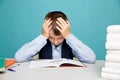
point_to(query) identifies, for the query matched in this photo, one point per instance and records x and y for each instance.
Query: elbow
(20, 58)
(91, 60)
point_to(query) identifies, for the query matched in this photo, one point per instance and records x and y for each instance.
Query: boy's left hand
(63, 27)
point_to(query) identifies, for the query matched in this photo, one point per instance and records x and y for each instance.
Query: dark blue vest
(46, 51)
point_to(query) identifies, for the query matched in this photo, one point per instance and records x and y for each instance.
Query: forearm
(80, 50)
(27, 51)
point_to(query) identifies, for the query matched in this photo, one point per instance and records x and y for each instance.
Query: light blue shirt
(81, 51)
(56, 51)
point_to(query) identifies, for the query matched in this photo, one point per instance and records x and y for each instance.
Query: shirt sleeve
(27, 51)
(81, 51)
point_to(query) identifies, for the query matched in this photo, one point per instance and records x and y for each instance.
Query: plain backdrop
(21, 21)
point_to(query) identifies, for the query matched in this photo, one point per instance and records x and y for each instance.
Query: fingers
(59, 28)
(47, 23)
(61, 20)
(63, 27)
(59, 24)
(49, 27)
(46, 28)
(67, 22)
(62, 23)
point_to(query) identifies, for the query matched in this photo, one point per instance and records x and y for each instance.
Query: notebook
(5, 63)
(2, 64)
(9, 62)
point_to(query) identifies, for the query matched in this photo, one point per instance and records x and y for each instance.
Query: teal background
(21, 21)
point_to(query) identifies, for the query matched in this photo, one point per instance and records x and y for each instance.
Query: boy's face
(56, 40)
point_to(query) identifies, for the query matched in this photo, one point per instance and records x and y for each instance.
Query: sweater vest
(46, 51)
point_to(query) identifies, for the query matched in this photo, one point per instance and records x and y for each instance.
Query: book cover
(9, 62)
(2, 64)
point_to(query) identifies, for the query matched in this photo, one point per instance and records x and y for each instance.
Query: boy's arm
(27, 51)
(80, 50)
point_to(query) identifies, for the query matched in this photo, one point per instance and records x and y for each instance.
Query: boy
(55, 42)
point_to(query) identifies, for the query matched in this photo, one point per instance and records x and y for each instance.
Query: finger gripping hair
(53, 16)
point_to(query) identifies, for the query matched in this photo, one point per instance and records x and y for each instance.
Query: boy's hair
(53, 16)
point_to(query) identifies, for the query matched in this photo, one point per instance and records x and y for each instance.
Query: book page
(69, 62)
(54, 63)
(43, 63)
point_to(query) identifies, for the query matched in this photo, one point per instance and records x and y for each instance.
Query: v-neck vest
(46, 51)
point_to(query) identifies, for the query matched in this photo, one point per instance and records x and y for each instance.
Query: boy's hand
(63, 27)
(46, 28)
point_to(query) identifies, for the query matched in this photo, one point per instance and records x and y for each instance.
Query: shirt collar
(58, 47)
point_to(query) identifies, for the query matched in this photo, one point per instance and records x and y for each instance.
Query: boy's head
(55, 36)
(53, 16)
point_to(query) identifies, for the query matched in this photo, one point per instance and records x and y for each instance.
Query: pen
(11, 70)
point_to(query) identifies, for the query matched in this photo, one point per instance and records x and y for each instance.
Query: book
(56, 63)
(111, 70)
(2, 64)
(110, 76)
(5, 63)
(112, 65)
(113, 37)
(9, 62)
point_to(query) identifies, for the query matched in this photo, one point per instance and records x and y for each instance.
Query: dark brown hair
(53, 16)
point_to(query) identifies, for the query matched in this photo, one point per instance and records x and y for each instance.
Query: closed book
(9, 62)
(113, 37)
(113, 51)
(110, 76)
(113, 57)
(111, 70)
(112, 45)
(114, 29)
(113, 65)
(2, 64)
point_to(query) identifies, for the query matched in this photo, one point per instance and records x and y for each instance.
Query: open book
(55, 63)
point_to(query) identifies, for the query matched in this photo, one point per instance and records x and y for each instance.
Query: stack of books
(111, 70)
(6, 63)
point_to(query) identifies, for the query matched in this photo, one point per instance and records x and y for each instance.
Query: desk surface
(23, 72)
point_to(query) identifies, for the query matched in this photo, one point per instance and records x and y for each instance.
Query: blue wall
(21, 21)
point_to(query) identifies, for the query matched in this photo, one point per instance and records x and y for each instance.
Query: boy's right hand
(46, 28)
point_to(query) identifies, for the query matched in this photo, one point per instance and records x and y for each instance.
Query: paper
(54, 63)
(113, 37)
(110, 76)
(114, 65)
(112, 45)
(113, 51)
(110, 70)
(113, 29)
(41, 63)
(113, 57)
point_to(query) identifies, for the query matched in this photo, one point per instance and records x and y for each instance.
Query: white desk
(23, 72)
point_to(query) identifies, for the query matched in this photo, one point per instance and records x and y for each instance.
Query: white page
(43, 63)
(53, 63)
(69, 61)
